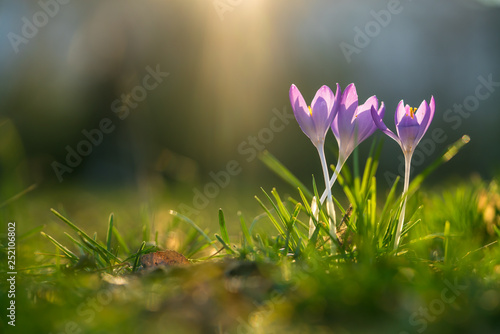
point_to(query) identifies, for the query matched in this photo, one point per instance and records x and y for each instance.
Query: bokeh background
(230, 64)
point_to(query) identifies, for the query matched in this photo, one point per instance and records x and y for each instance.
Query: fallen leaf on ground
(163, 258)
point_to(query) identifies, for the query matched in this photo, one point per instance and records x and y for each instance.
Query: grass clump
(280, 273)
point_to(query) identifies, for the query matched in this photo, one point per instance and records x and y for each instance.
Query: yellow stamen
(412, 112)
(310, 111)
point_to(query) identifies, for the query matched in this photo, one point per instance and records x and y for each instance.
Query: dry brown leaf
(163, 258)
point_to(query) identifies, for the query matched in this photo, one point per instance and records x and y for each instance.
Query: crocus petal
(320, 117)
(381, 111)
(338, 96)
(301, 112)
(295, 95)
(364, 120)
(347, 109)
(401, 116)
(334, 124)
(421, 111)
(335, 127)
(408, 131)
(326, 94)
(432, 108)
(401, 110)
(422, 115)
(377, 118)
(427, 117)
(322, 110)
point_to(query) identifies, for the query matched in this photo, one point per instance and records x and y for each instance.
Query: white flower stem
(399, 228)
(328, 190)
(336, 172)
(329, 204)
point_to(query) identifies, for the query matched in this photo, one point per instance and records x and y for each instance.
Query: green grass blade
(69, 254)
(284, 212)
(58, 263)
(282, 218)
(138, 256)
(286, 243)
(446, 241)
(366, 175)
(120, 240)
(315, 190)
(298, 236)
(95, 249)
(18, 195)
(110, 232)
(314, 237)
(193, 224)
(450, 152)
(276, 224)
(480, 248)
(300, 223)
(373, 199)
(308, 212)
(144, 251)
(430, 237)
(305, 201)
(256, 220)
(228, 248)
(497, 230)
(345, 173)
(86, 236)
(357, 183)
(347, 191)
(291, 231)
(223, 228)
(336, 202)
(381, 226)
(261, 243)
(82, 247)
(276, 166)
(31, 232)
(198, 247)
(412, 223)
(246, 233)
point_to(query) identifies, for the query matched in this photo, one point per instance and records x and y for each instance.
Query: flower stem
(399, 228)
(329, 204)
(338, 168)
(315, 205)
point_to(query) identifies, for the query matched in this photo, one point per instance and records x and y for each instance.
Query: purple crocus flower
(411, 125)
(352, 125)
(315, 120)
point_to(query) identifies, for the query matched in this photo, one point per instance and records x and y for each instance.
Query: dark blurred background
(230, 63)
